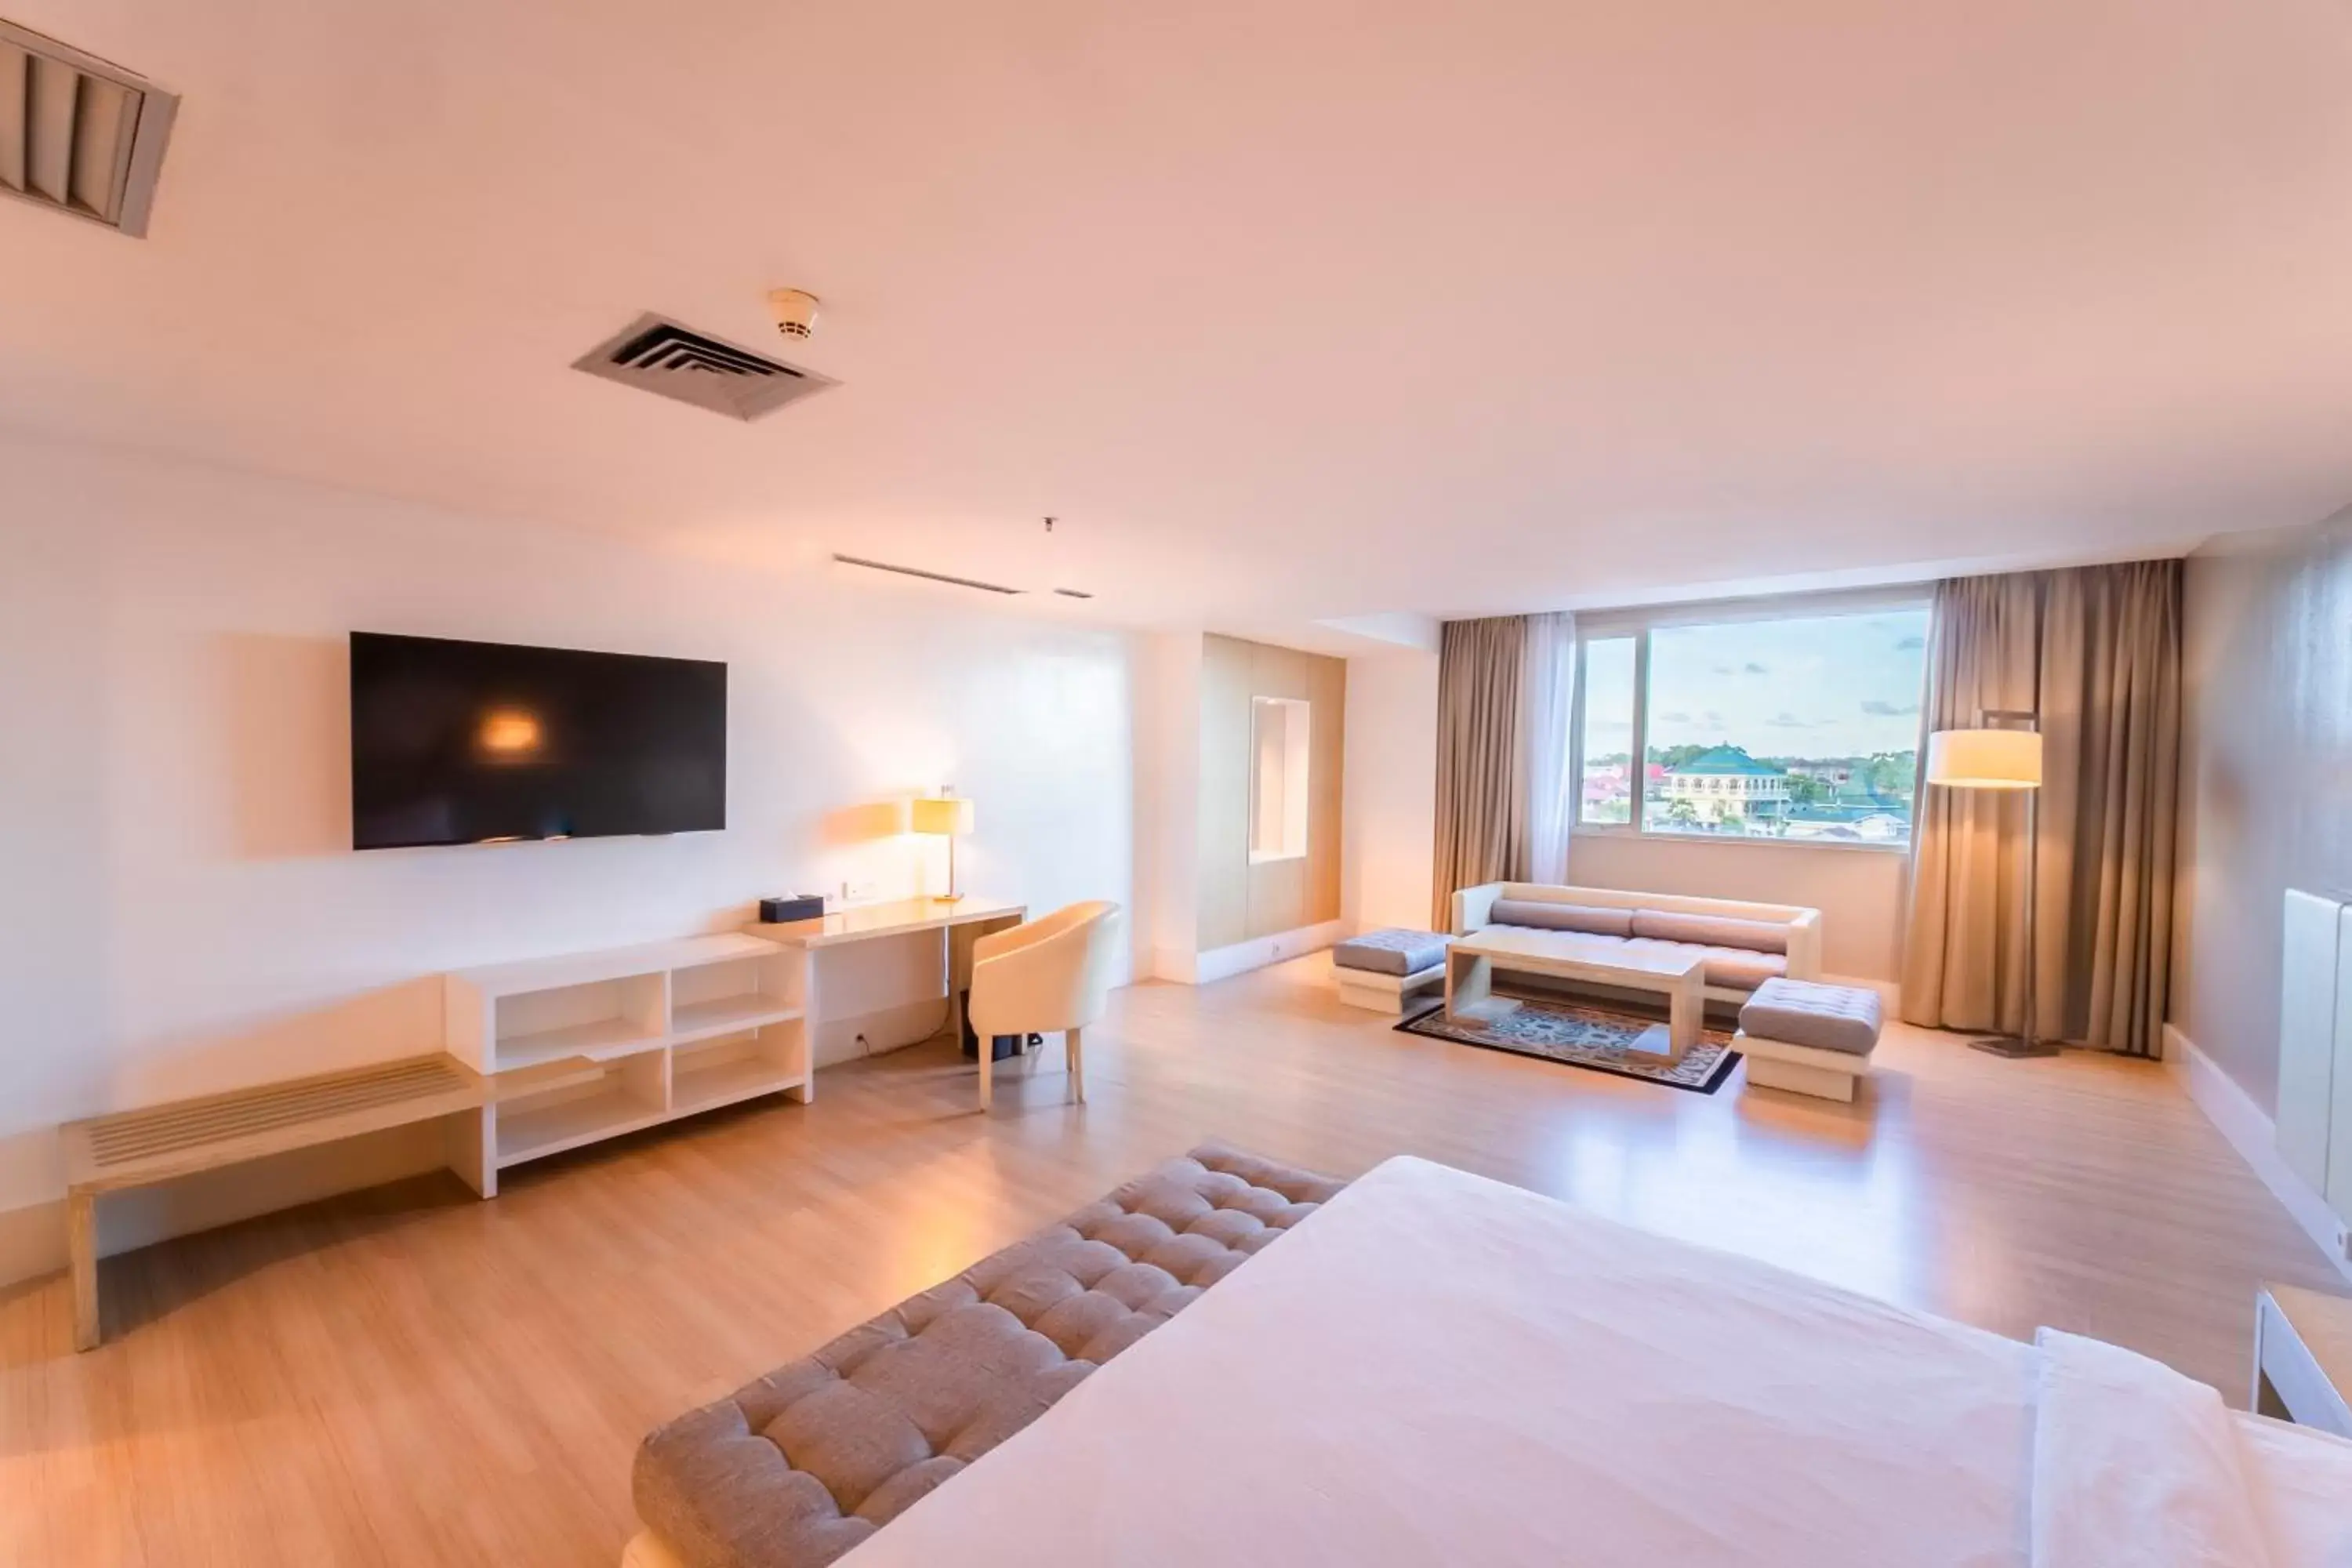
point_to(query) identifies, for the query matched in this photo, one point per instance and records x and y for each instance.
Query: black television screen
(463, 743)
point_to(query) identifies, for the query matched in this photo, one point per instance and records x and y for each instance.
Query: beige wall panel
(1328, 690)
(1277, 896)
(1240, 901)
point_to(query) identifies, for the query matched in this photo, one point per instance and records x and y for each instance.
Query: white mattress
(1439, 1369)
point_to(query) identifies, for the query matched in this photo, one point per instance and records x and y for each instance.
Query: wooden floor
(409, 1377)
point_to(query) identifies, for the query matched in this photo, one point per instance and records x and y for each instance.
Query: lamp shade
(949, 814)
(1985, 758)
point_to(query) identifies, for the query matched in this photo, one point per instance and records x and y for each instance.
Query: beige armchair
(1050, 975)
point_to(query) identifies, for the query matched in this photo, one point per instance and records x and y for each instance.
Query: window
(1796, 726)
(1608, 742)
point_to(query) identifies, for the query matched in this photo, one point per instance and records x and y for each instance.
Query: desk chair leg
(987, 1076)
(1073, 1053)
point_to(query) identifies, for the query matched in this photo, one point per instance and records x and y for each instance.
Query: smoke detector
(794, 311)
(78, 135)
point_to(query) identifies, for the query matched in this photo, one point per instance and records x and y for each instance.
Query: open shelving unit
(652, 1033)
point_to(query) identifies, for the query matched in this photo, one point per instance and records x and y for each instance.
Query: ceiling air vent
(660, 356)
(78, 135)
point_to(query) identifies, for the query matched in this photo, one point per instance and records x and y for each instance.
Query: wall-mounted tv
(470, 743)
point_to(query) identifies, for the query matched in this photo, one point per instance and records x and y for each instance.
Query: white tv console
(652, 1033)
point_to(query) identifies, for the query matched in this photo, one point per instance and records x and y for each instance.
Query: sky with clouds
(1827, 685)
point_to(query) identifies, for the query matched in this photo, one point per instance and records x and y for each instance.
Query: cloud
(1756, 669)
(1889, 710)
(1675, 718)
(1722, 670)
(1911, 644)
(1786, 721)
(1713, 717)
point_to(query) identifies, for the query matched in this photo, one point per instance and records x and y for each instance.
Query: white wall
(180, 911)
(1390, 819)
(1168, 795)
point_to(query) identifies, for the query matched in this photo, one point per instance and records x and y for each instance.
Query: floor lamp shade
(2000, 760)
(1985, 758)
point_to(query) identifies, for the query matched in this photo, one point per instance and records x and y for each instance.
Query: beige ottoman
(1805, 1037)
(1384, 971)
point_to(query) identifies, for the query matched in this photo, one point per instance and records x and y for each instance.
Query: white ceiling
(1290, 312)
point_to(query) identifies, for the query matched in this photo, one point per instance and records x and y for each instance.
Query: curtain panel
(1504, 795)
(2096, 653)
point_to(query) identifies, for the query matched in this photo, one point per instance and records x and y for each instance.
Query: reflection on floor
(407, 1377)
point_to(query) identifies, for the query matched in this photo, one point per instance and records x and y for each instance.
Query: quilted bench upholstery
(795, 1469)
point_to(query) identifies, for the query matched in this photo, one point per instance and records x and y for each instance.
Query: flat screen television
(470, 743)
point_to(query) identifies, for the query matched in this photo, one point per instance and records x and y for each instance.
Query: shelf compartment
(601, 1040)
(727, 1016)
(721, 1075)
(584, 1109)
(600, 1018)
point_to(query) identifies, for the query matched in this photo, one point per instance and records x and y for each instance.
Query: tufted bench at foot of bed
(792, 1470)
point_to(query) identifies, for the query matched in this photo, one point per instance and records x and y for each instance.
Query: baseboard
(1222, 962)
(2251, 1131)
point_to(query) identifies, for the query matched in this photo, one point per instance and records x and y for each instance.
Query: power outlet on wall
(858, 892)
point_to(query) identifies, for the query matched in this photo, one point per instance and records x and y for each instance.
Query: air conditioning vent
(78, 135)
(662, 357)
(926, 576)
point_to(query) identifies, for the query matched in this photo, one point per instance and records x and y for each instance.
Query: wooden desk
(959, 923)
(2302, 1357)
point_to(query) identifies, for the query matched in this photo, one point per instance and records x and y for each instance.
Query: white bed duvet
(1439, 1369)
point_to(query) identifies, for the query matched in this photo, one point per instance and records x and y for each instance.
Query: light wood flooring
(409, 1377)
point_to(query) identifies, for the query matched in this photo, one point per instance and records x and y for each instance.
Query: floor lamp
(1992, 759)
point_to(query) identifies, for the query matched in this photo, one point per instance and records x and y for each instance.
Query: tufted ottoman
(796, 1469)
(1807, 1038)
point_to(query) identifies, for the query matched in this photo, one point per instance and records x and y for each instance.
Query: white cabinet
(2314, 1090)
(653, 1033)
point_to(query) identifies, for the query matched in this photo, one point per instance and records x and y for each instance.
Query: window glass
(1609, 785)
(1804, 728)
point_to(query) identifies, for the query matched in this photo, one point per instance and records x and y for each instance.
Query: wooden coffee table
(1471, 962)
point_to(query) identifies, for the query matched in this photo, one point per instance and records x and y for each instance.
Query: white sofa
(1738, 938)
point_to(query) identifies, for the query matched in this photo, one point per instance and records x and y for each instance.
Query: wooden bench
(159, 1142)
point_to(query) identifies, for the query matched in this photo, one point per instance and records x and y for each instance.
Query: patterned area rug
(1587, 1037)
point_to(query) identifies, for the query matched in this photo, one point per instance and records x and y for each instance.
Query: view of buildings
(1724, 790)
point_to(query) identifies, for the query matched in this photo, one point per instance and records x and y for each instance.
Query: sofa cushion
(1392, 952)
(794, 1470)
(1731, 968)
(1808, 1013)
(1739, 969)
(1543, 915)
(1712, 931)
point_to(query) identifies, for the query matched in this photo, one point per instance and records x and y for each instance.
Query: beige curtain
(1502, 689)
(2096, 653)
(1482, 812)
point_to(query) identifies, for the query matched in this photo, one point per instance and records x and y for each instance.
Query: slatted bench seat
(159, 1142)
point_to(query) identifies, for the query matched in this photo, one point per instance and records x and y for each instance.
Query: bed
(1435, 1368)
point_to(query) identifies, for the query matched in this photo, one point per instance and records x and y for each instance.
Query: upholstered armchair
(1052, 975)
